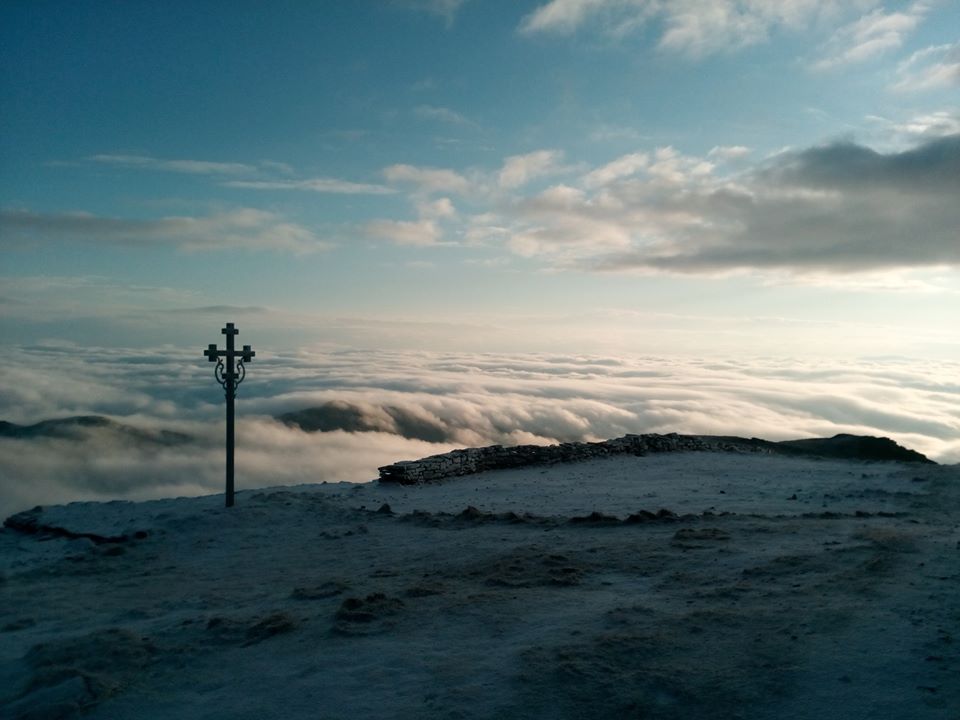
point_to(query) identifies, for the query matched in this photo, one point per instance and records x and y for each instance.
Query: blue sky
(624, 176)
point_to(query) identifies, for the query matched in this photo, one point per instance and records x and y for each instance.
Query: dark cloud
(843, 208)
(930, 168)
(357, 417)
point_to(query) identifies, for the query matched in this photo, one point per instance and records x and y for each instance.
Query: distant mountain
(80, 427)
(341, 415)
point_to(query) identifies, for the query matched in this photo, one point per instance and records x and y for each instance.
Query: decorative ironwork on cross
(229, 375)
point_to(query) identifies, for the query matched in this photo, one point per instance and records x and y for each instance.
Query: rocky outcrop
(498, 457)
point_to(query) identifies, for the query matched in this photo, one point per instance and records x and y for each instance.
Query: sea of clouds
(377, 408)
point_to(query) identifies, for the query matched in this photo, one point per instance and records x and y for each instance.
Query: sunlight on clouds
(428, 180)
(929, 69)
(871, 35)
(405, 232)
(562, 16)
(840, 208)
(383, 407)
(518, 170)
(623, 166)
(698, 28)
(729, 152)
(319, 185)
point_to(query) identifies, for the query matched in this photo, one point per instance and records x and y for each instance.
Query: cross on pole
(229, 376)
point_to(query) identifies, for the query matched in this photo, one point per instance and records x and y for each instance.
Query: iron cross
(229, 376)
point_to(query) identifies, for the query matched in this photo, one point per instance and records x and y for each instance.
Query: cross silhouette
(229, 376)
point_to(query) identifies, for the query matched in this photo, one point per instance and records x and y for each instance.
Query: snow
(778, 588)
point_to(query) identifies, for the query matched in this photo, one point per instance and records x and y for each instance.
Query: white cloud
(672, 167)
(841, 209)
(870, 36)
(622, 167)
(405, 232)
(929, 69)
(439, 208)
(193, 167)
(429, 180)
(695, 28)
(426, 230)
(442, 114)
(245, 228)
(729, 152)
(561, 16)
(319, 185)
(932, 125)
(518, 170)
(388, 406)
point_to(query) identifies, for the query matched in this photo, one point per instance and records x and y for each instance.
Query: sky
(611, 167)
(699, 180)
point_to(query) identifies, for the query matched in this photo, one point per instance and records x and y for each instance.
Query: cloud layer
(241, 228)
(394, 406)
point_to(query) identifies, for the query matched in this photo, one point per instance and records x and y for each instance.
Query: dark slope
(81, 427)
(842, 446)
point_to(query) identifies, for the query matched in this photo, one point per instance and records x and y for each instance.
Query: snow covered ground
(773, 588)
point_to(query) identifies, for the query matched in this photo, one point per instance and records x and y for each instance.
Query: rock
(497, 457)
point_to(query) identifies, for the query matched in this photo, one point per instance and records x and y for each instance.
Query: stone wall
(498, 457)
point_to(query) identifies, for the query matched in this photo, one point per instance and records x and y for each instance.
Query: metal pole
(229, 444)
(231, 391)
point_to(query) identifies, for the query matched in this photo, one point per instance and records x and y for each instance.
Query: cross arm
(211, 353)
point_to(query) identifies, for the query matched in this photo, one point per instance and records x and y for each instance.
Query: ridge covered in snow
(675, 585)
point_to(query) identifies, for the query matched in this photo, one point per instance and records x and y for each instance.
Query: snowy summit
(676, 585)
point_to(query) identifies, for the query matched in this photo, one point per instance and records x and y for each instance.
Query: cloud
(202, 167)
(193, 167)
(427, 179)
(378, 408)
(442, 114)
(728, 152)
(405, 232)
(518, 170)
(243, 228)
(319, 185)
(447, 9)
(622, 167)
(872, 35)
(437, 209)
(838, 208)
(426, 230)
(695, 28)
(932, 125)
(220, 310)
(561, 16)
(929, 69)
